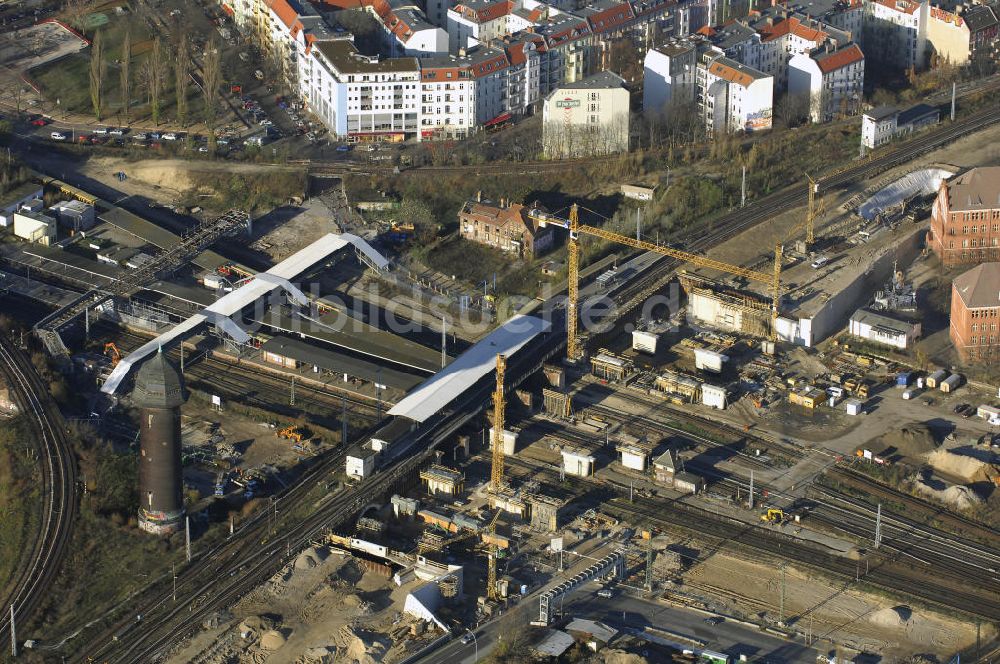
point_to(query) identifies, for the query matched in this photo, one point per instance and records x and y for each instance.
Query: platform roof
(478, 361)
(332, 360)
(232, 303)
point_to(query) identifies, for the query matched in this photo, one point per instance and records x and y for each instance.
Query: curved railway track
(58, 489)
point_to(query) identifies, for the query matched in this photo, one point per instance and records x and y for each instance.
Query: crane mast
(496, 475)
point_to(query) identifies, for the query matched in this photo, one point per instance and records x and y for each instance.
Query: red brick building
(965, 222)
(505, 226)
(975, 313)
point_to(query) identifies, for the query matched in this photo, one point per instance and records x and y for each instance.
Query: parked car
(170, 136)
(154, 135)
(714, 620)
(203, 149)
(605, 593)
(467, 639)
(58, 136)
(117, 131)
(101, 131)
(820, 262)
(141, 136)
(343, 148)
(40, 122)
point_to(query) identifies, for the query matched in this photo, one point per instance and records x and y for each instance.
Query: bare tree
(97, 70)
(75, 12)
(154, 78)
(126, 74)
(180, 85)
(212, 79)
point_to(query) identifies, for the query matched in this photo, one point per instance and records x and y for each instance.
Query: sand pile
(896, 616)
(958, 465)
(913, 440)
(357, 648)
(622, 657)
(272, 640)
(305, 561)
(317, 655)
(955, 496)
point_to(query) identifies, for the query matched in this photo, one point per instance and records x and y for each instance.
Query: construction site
(747, 455)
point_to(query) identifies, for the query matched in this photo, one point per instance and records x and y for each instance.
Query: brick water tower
(159, 394)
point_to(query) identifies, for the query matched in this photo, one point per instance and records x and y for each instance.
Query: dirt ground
(157, 179)
(855, 619)
(323, 607)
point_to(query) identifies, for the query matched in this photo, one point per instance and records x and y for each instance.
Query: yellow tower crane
(491, 563)
(573, 246)
(496, 476)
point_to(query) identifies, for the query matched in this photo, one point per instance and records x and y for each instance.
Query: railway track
(933, 587)
(875, 492)
(59, 489)
(904, 570)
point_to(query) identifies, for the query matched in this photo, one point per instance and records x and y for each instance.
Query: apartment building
(832, 78)
(895, 32)
(975, 313)
(406, 30)
(957, 37)
(505, 226)
(585, 118)
(669, 76)
(731, 96)
(482, 21)
(362, 97)
(965, 220)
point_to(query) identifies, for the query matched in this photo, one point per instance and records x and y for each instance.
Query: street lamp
(475, 642)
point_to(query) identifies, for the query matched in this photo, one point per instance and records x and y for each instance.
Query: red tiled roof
(845, 56)
(905, 6)
(706, 30)
(611, 18)
(794, 26)
(487, 67)
(732, 75)
(515, 54)
(285, 12)
(440, 74)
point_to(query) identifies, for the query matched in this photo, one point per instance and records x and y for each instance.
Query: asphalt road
(627, 613)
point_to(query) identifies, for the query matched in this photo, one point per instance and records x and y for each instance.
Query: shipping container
(935, 378)
(988, 412)
(909, 393)
(904, 378)
(951, 383)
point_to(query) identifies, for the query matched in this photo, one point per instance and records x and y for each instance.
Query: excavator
(112, 351)
(294, 433)
(773, 515)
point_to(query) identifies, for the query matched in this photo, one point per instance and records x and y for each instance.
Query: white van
(820, 262)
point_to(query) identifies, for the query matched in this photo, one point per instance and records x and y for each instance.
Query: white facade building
(669, 76)
(35, 227)
(878, 126)
(359, 96)
(832, 79)
(589, 117)
(895, 32)
(733, 97)
(882, 329)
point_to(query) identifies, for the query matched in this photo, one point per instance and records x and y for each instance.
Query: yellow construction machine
(773, 515)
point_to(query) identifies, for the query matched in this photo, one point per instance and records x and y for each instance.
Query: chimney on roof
(461, 52)
(479, 196)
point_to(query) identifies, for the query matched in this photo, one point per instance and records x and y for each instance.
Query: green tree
(97, 69)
